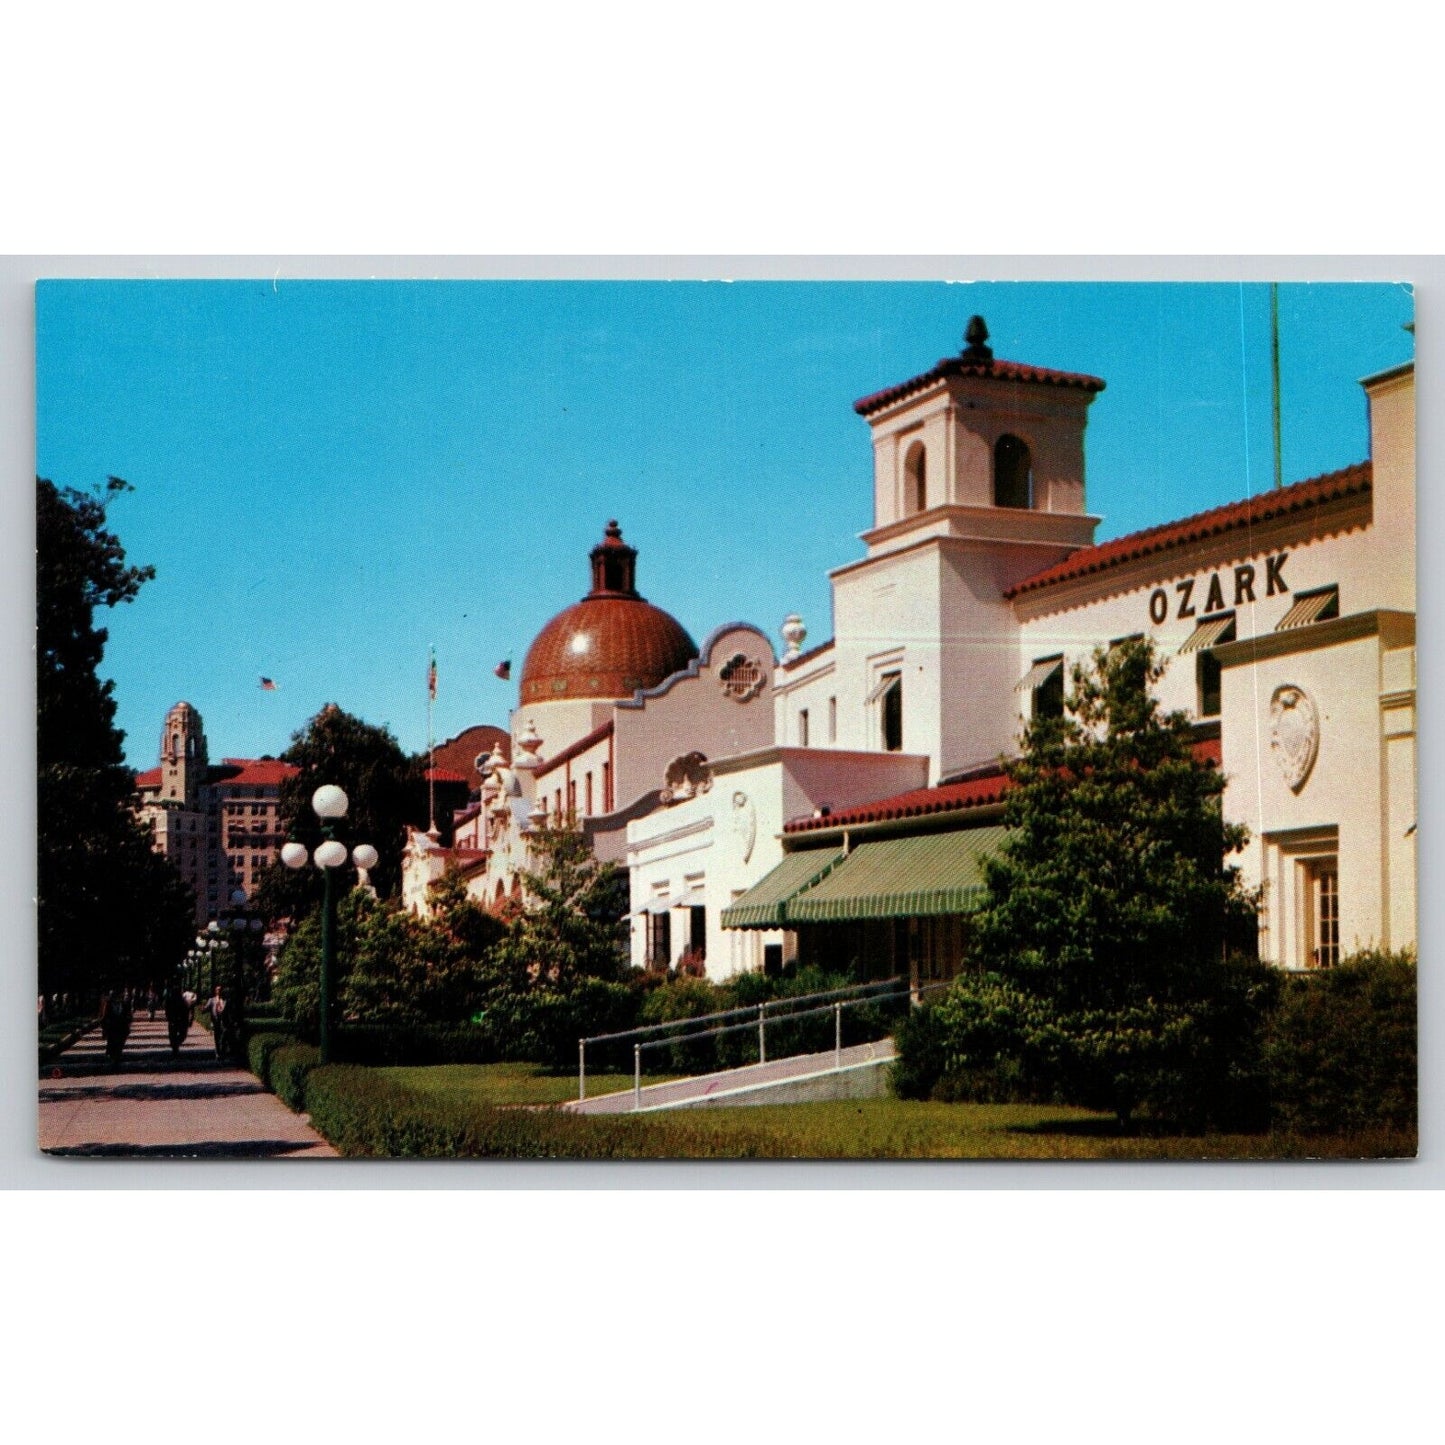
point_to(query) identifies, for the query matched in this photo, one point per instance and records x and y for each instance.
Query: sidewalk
(185, 1107)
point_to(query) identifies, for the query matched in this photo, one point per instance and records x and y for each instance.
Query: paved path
(681, 1092)
(189, 1106)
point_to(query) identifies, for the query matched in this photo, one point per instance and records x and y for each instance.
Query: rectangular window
(606, 787)
(1211, 632)
(572, 795)
(890, 706)
(1208, 677)
(659, 940)
(589, 795)
(1323, 904)
(1044, 683)
(697, 930)
(557, 805)
(803, 727)
(832, 719)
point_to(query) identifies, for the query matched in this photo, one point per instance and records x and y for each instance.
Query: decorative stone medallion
(1294, 733)
(742, 677)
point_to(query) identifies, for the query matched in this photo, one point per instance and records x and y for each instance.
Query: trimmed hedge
(1333, 1052)
(261, 1046)
(286, 1071)
(1342, 1047)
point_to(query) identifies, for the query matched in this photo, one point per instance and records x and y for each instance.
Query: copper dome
(610, 643)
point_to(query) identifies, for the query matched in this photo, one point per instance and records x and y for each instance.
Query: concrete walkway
(751, 1084)
(189, 1106)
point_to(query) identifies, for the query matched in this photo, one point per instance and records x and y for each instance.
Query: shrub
(286, 1072)
(1342, 1046)
(988, 1041)
(261, 1045)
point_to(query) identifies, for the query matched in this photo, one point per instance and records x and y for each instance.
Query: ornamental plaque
(744, 824)
(742, 677)
(1294, 733)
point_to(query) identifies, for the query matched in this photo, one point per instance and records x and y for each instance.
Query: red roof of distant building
(1314, 492)
(446, 775)
(968, 366)
(253, 772)
(976, 792)
(151, 778)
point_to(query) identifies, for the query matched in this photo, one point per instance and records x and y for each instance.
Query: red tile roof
(961, 366)
(151, 778)
(252, 772)
(1315, 492)
(446, 775)
(916, 803)
(976, 792)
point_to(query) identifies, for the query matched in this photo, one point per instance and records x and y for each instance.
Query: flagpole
(1274, 367)
(431, 781)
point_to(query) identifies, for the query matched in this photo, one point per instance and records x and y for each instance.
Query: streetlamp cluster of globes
(330, 804)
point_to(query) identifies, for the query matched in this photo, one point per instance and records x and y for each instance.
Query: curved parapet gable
(705, 659)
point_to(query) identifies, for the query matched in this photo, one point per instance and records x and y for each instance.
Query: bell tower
(183, 757)
(978, 482)
(980, 434)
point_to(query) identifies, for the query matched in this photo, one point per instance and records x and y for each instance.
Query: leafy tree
(572, 927)
(111, 910)
(385, 789)
(1108, 950)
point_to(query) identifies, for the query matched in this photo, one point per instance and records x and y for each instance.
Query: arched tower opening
(1013, 473)
(915, 480)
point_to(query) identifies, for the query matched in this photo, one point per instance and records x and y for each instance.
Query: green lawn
(850, 1129)
(500, 1084)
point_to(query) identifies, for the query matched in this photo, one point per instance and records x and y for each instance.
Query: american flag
(267, 685)
(431, 679)
(504, 670)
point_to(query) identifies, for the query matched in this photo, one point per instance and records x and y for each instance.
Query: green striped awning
(1210, 632)
(1311, 607)
(762, 906)
(903, 878)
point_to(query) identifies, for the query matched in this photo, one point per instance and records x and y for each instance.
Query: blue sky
(333, 476)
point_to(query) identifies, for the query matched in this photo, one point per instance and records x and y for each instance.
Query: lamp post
(329, 804)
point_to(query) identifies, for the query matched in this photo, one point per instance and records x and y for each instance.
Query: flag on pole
(267, 685)
(431, 678)
(504, 670)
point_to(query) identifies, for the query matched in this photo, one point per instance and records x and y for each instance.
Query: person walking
(178, 1017)
(216, 1007)
(115, 1018)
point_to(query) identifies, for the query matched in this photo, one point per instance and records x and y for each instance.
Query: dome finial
(976, 347)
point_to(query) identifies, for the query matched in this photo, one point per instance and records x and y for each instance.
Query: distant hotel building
(218, 823)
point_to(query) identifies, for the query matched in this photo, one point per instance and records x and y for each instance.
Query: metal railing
(750, 1016)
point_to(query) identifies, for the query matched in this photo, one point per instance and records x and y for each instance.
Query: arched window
(915, 480)
(1013, 474)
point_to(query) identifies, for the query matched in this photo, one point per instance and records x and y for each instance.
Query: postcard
(688, 720)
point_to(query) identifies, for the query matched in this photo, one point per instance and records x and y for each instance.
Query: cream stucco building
(1286, 620)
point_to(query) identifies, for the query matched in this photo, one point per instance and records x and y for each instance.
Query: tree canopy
(1109, 949)
(385, 790)
(571, 928)
(111, 909)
